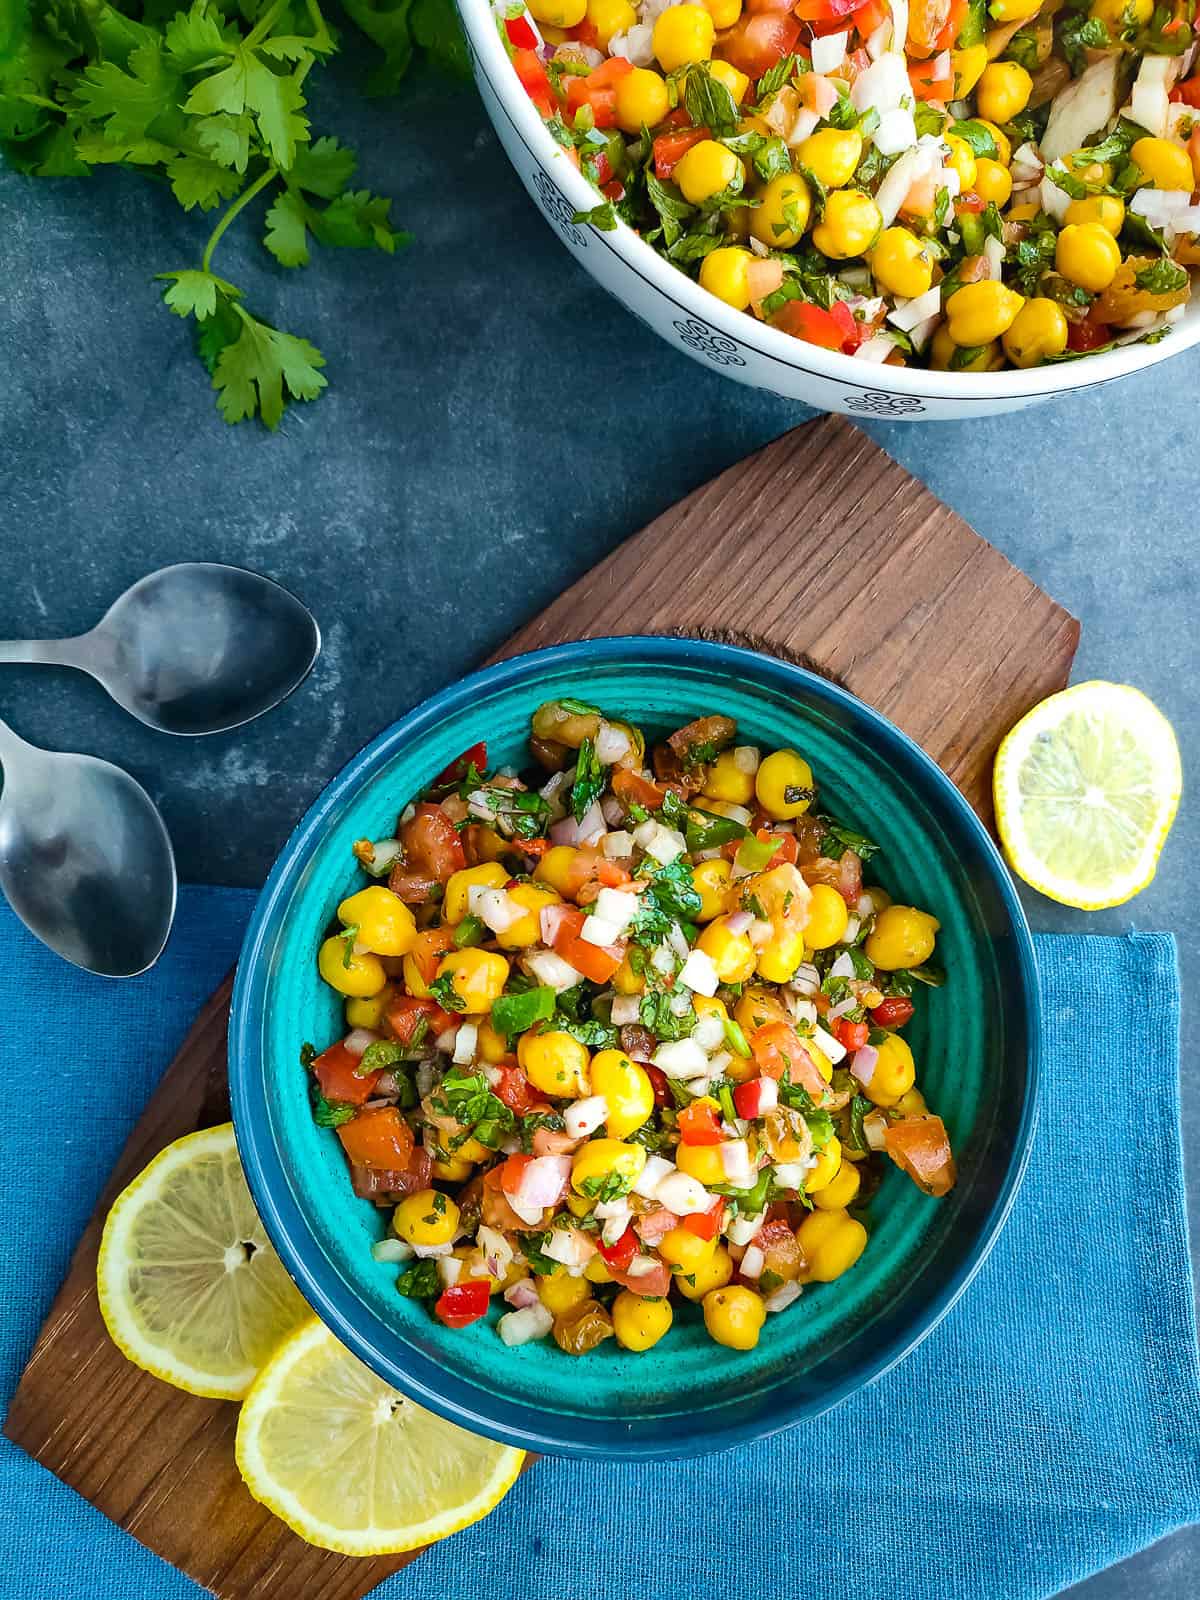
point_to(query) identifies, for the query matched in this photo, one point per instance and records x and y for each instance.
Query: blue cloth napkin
(1049, 1427)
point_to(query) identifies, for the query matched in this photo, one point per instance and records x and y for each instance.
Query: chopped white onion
(644, 832)
(1149, 101)
(907, 315)
(614, 1215)
(874, 1129)
(780, 1299)
(522, 1293)
(464, 1044)
(1084, 107)
(665, 844)
(663, 960)
(993, 254)
(740, 1171)
(747, 758)
(449, 1270)
(428, 1252)
(742, 1229)
(897, 131)
(599, 931)
(656, 1169)
(569, 1246)
(681, 1058)
(550, 789)
(626, 1008)
(803, 1010)
(884, 84)
(642, 1266)
(739, 921)
(357, 1040)
(552, 971)
(584, 1116)
(519, 1327)
(384, 853)
(614, 813)
(566, 831)
(791, 1174)
(826, 1042)
(617, 906)
(805, 123)
(682, 1194)
(843, 1007)
(445, 1039)
(497, 1251)
(392, 1250)
(618, 843)
(611, 744)
(592, 825)
(495, 908)
(752, 1263)
(904, 172)
(709, 1031)
(806, 979)
(843, 967)
(699, 974)
(829, 51)
(637, 45)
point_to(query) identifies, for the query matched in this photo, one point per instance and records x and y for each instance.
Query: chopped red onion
(862, 1063)
(521, 1294)
(875, 1130)
(530, 1322)
(752, 1262)
(780, 1299)
(565, 832)
(843, 1007)
(739, 921)
(357, 1040)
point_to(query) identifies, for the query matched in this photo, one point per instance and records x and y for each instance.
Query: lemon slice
(351, 1464)
(1086, 788)
(189, 1285)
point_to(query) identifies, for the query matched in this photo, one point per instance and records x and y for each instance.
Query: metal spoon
(194, 648)
(85, 859)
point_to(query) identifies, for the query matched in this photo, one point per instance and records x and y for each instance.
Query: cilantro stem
(264, 25)
(239, 204)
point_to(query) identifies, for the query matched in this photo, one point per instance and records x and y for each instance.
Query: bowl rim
(323, 1287)
(771, 344)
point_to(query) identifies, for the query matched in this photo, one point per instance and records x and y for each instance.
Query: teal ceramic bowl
(975, 1042)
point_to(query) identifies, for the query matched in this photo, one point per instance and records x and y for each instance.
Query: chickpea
(784, 785)
(734, 1317)
(351, 973)
(554, 1062)
(895, 1072)
(639, 1322)
(559, 1292)
(902, 937)
(713, 1273)
(627, 1089)
(828, 918)
(427, 1217)
(832, 1242)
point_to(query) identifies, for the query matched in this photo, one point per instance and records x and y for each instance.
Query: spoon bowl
(194, 648)
(85, 859)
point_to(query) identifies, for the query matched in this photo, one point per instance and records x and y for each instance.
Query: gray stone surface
(494, 425)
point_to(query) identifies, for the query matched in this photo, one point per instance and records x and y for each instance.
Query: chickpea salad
(965, 185)
(624, 1032)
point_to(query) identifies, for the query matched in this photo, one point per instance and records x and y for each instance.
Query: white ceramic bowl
(690, 318)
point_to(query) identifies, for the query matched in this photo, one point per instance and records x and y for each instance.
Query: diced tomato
(948, 37)
(786, 848)
(533, 79)
(652, 1227)
(599, 90)
(619, 1255)
(660, 1083)
(475, 757)
(428, 949)
(868, 17)
(586, 33)
(515, 1090)
(1087, 335)
(337, 1075)
(706, 1224)
(381, 1186)
(614, 191)
(534, 847)
(777, 1049)
(920, 1146)
(669, 151)
(432, 851)
(594, 961)
(927, 86)
(856, 62)
(824, 10)
(834, 329)
(495, 1209)
(755, 43)
(589, 872)
(970, 202)
(892, 1012)
(378, 1138)
(755, 1098)
(463, 1303)
(404, 1013)
(1188, 91)
(520, 34)
(652, 1285)
(851, 1034)
(700, 1123)
(628, 785)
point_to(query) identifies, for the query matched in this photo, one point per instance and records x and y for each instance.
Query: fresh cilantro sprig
(211, 100)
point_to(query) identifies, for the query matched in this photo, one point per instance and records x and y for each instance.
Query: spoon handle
(34, 652)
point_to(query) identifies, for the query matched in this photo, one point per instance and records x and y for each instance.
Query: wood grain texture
(820, 549)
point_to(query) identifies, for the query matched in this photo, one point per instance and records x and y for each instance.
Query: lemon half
(189, 1285)
(351, 1464)
(1086, 788)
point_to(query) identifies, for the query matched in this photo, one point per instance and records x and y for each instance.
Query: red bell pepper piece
(533, 79)
(463, 1303)
(756, 1098)
(475, 757)
(520, 33)
(706, 1224)
(1188, 91)
(404, 1013)
(851, 1034)
(669, 151)
(619, 1255)
(599, 90)
(925, 85)
(594, 961)
(700, 1123)
(515, 1090)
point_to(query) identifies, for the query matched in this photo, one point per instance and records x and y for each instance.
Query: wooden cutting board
(820, 549)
